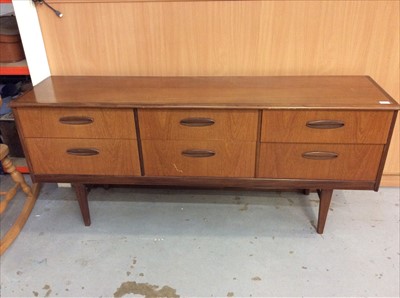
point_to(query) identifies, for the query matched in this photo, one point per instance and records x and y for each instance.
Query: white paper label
(384, 102)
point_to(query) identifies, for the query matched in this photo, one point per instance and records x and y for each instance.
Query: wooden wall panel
(212, 38)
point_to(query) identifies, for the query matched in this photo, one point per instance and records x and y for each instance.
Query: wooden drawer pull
(319, 155)
(76, 120)
(83, 151)
(325, 124)
(197, 122)
(198, 153)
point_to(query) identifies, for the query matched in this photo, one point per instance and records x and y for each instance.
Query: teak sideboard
(314, 132)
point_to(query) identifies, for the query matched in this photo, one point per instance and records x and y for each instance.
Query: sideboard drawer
(368, 127)
(181, 124)
(319, 161)
(85, 123)
(199, 158)
(83, 156)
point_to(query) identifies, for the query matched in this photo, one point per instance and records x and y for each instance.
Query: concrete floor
(204, 243)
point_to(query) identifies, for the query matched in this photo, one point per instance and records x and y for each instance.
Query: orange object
(23, 169)
(14, 70)
(10, 42)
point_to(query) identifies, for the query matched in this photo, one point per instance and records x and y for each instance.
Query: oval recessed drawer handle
(198, 153)
(197, 122)
(325, 124)
(319, 155)
(83, 151)
(76, 120)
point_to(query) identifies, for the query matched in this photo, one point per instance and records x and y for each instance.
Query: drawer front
(319, 161)
(180, 124)
(199, 158)
(368, 127)
(83, 157)
(85, 123)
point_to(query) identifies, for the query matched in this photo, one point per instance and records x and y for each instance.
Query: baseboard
(390, 180)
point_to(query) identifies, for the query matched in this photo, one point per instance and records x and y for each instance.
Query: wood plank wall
(212, 38)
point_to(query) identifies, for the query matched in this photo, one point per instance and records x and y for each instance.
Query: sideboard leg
(81, 195)
(325, 196)
(306, 191)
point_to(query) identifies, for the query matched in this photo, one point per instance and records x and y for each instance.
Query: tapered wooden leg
(325, 196)
(81, 195)
(306, 192)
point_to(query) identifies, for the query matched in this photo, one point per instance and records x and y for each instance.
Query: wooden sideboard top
(294, 92)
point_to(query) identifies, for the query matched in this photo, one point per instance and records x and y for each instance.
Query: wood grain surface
(222, 38)
(231, 159)
(164, 124)
(390, 181)
(107, 124)
(368, 127)
(285, 161)
(225, 38)
(300, 92)
(116, 157)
